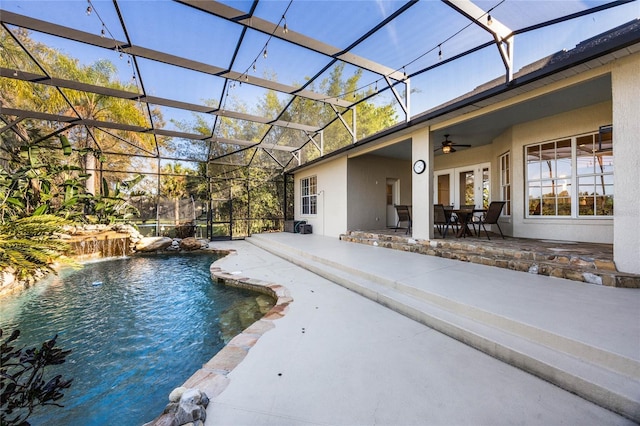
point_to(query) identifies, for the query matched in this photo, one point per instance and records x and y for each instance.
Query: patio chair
(491, 217)
(441, 219)
(403, 216)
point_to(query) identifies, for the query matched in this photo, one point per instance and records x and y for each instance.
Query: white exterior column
(626, 151)
(422, 186)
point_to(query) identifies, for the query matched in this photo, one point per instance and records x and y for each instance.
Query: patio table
(465, 217)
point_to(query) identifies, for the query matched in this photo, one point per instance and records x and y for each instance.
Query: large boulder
(148, 244)
(186, 407)
(189, 244)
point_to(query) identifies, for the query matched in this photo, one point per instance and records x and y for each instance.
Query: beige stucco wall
(625, 78)
(366, 178)
(422, 149)
(331, 217)
(569, 124)
(584, 120)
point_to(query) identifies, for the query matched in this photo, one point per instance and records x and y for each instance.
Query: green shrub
(23, 385)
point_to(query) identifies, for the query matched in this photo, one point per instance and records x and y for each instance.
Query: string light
(264, 54)
(104, 31)
(438, 46)
(285, 29)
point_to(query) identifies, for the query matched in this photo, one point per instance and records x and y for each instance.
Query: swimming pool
(138, 327)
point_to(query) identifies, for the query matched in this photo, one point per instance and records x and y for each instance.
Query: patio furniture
(442, 219)
(403, 216)
(464, 218)
(491, 217)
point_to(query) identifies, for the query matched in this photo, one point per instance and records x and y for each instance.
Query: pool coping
(212, 378)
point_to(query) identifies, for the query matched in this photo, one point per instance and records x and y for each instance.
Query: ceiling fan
(448, 146)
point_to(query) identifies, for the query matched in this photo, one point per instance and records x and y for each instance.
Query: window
(505, 182)
(594, 167)
(571, 177)
(308, 189)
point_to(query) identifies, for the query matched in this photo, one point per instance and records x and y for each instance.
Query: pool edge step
(611, 389)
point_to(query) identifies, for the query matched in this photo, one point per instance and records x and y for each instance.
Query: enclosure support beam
(11, 125)
(404, 103)
(319, 146)
(500, 32)
(346, 125)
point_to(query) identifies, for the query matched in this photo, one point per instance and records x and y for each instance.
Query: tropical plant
(178, 182)
(35, 179)
(113, 205)
(30, 244)
(23, 385)
(89, 144)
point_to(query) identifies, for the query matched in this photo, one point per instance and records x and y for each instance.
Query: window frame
(505, 181)
(309, 196)
(571, 181)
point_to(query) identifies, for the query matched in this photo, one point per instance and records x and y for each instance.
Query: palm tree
(177, 182)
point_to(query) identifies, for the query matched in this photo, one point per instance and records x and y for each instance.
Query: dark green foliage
(113, 205)
(23, 385)
(37, 178)
(29, 244)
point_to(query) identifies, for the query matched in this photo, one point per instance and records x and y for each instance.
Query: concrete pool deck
(338, 358)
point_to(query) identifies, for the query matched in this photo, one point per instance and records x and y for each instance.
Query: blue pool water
(138, 328)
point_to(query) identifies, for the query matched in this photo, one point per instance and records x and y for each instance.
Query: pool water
(138, 328)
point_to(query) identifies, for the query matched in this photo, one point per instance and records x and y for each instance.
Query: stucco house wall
(580, 121)
(366, 180)
(331, 216)
(514, 140)
(626, 141)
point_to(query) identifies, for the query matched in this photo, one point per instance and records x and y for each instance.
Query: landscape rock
(149, 244)
(188, 406)
(190, 244)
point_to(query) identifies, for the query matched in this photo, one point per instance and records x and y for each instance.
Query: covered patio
(578, 261)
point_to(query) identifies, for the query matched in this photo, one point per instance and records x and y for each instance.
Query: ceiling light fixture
(446, 149)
